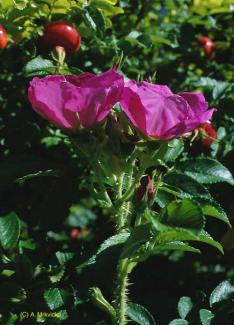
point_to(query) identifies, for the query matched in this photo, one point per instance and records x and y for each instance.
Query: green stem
(124, 265)
(131, 188)
(121, 300)
(98, 298)
(120, 186)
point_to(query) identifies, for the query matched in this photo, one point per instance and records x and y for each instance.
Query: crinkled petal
(95, 96)
(152, 113)
(67, 101)
(156, 112)
(196, 101)
(48, 99)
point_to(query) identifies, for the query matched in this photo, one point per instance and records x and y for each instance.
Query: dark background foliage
(41, 176)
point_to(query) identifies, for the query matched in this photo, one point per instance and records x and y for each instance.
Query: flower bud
(147, 186)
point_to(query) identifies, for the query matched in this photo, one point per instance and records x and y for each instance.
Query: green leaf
(140, 314)
(26, 244)
(139, 236)
(187, 186)
(183, 214)
(112, 241)
(179, 234)
(12, 319)
(204, 237)
(58, 274)
(89, 22)
(9, 230)
(163, 198)
(55, 298)
(6, 5)
(218, 87)
(20, 4)
(94, 19)
(185, 305)
(63, 258)
(213, 209)
(206, 170)
(38, 66)
(206, 316)
(176, 245)
(178, 322)
(206, 82)
(176, 234)
(175, 148)
(107, 7)
(224, 291)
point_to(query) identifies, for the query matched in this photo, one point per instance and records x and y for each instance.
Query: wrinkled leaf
(9, 230)
(184, 306)
(140, 314)
(176, 245)
(184, 214)
(213, 209)
(178, 322)
(204, 237)
(38, 66)
(55, 298)
(64, 257)
(206, 170)
(185, 185)
(206, 316)
(224, 291)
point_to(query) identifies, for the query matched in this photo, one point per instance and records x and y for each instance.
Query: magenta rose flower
(68, 101)
(158, 113)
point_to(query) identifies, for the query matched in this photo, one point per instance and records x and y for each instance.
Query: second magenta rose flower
(158, 113)
(70, 101)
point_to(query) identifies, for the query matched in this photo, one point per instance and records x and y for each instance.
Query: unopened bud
(147, 185)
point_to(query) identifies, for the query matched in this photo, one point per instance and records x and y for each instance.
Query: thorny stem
(131, 188)
(121, 292)
(122, 215)
(120, 186)
(124, 264)
(122, 205)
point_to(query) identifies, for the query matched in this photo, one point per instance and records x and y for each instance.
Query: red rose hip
(59, 33)
(208, 46)
(203, 40)
(3, 37)
(75, 233)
